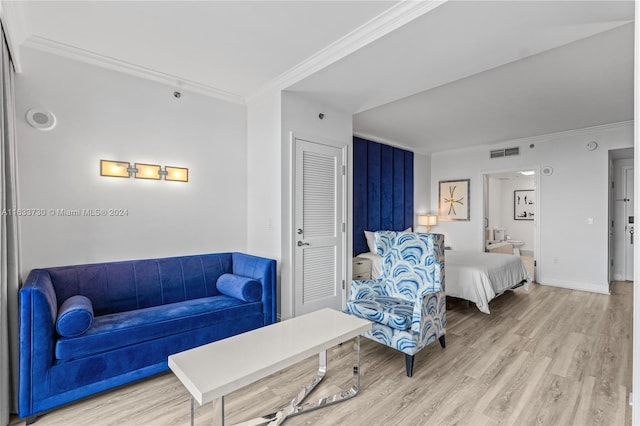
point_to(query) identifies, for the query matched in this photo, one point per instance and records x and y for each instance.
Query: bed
(475, 276)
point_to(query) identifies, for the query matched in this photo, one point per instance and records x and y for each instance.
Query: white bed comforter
(474, 276)
(480, 277)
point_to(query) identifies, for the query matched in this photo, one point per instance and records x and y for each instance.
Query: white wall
(300, 117)
(271, 117)
(494, 193)
(573, 253)
(103, 114)
(422, 188)
(264, 205)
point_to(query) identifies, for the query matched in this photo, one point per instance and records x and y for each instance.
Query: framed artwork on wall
(524, 204)
(453, 200)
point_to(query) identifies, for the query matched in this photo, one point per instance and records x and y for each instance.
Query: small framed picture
(453, 200)
(524, 204)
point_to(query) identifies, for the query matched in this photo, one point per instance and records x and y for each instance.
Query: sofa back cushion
(123, 286)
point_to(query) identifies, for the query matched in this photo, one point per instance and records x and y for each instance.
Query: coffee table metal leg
(218, 411)
(297, 406)
(193, 409)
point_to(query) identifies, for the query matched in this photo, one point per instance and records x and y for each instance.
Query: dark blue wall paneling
(382, 190)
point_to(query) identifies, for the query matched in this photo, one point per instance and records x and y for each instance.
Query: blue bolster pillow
(75, 316)
(240, 287)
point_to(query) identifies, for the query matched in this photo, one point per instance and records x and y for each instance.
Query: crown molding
(564, 133)
(15, 29)
(498, 144)
(82, 55)
(395, 17)
(541, 138)
(388, 21)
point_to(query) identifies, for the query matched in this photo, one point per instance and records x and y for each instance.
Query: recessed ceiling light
(528, 173)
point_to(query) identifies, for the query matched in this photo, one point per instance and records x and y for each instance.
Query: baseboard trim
(574, 285)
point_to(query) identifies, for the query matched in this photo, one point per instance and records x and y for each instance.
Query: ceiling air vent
(506, 152)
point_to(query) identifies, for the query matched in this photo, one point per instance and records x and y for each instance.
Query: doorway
(621, 223)
(511, 215)
(319, 234)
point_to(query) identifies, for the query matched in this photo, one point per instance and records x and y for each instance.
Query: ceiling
(233, 46)
(450, 75)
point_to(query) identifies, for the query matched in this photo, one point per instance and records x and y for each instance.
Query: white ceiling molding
(15, 29)
(388, 21)
(498, 144)
(565, 133)
(82, 55)
(535, 139)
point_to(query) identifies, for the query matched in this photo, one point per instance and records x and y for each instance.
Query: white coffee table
(211, 371)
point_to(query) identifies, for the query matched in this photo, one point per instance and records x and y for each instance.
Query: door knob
(300, 244)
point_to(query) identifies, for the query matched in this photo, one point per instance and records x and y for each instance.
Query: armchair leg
(442, 341)
(408, 361)
(31, 419)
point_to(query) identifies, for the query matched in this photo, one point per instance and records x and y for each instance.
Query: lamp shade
(427, 220)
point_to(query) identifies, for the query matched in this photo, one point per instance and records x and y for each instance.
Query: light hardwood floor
(549, 356)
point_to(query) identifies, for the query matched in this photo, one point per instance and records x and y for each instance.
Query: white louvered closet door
(318, 226)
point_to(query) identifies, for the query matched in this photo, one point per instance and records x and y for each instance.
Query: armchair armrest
(362, 288)
(429, 314)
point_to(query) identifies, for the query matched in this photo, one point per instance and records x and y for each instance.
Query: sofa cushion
(243, 288)
(114, 331)
(75, 316)
(391, 311)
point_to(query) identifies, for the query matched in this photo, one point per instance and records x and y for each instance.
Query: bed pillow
(243, 288)
(371, 242)
(75, 316)
(368, 235)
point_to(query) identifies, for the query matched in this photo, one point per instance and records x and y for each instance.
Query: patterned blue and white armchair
(407, 303)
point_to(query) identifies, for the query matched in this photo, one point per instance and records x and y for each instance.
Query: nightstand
(361, 269)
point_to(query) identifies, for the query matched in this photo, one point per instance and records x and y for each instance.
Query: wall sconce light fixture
(178, 174)
(143, 171)
(427, 220)
(115, 168)
(147, 171)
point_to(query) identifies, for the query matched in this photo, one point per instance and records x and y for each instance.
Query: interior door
(319, 226)
(628, 223)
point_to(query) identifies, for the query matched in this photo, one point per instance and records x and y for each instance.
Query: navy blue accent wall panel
(373, 186)
(386, 187)
(382, 190)
(408, 189)
(398, 189)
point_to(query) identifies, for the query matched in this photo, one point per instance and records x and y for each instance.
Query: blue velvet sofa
(88, 328)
